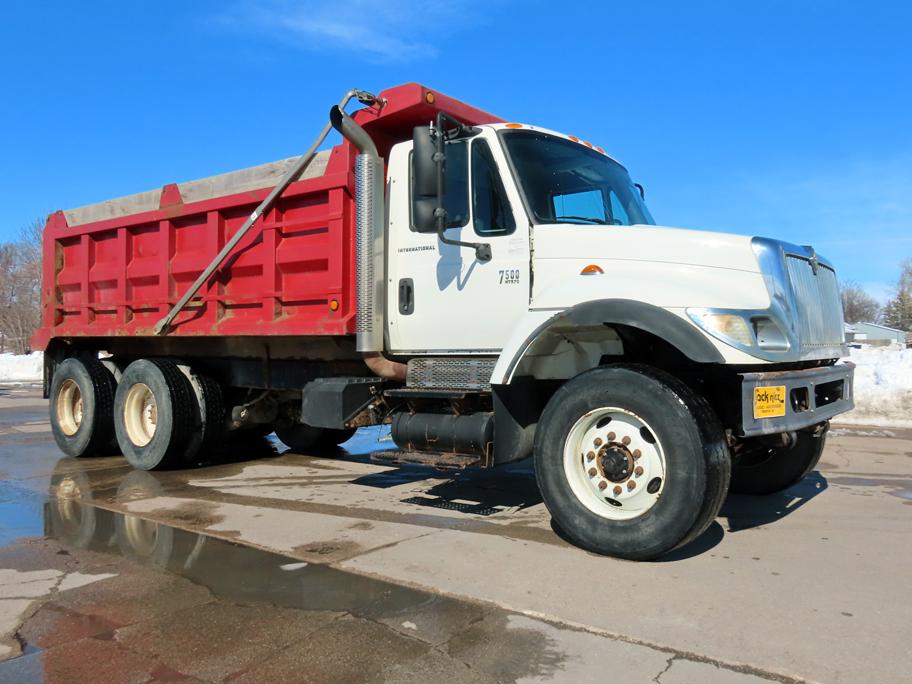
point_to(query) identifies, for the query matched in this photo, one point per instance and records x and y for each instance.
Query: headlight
(731, 326)
(750, 331)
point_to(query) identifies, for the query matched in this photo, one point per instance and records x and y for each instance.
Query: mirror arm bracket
(482, 249)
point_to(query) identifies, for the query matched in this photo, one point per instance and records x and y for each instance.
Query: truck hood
(645, 243)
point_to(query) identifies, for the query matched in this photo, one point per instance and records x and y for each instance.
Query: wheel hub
(616, 463)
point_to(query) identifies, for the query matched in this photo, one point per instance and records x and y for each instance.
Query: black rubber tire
(178, 416)
(698, 463)
(767, 470)
(96, 429)
(211, 404)
(330, 439)
(300, 437)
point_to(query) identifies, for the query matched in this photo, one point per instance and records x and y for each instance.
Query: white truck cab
(534, 271)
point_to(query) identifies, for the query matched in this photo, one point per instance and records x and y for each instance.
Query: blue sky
(788, 119)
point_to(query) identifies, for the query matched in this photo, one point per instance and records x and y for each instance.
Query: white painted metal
(69, 407)
(462, 305)
(606, 428)
(140, 414)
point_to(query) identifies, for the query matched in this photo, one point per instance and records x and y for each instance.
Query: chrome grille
(820, 322)
(458, 374)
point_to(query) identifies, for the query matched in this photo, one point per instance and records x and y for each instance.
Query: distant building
(873, 333)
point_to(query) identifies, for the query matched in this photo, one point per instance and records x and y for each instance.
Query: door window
(491, 213)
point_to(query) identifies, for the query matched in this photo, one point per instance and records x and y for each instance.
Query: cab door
(441, 299)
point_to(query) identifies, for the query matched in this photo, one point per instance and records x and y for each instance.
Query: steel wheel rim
(140, 414)
(69, 407)
(614, 463)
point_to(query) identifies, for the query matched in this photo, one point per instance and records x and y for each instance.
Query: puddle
(901, 487)
(238, 573)
(20, 512)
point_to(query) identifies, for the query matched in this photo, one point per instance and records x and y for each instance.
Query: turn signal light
(592, 269)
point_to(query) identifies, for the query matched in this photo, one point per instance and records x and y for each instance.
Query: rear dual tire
(82, 408)
(162, 418)
(630, 462)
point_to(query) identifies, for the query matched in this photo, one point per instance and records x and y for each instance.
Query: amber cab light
(592, 269)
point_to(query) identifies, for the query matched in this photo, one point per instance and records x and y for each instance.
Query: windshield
(566, 182)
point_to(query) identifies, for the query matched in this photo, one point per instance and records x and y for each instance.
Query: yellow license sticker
(769, 402)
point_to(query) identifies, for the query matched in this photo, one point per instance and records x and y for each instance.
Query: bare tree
(898, 311)
(858, 305)
(20, 288)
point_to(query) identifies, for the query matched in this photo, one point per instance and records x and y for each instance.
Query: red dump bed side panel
(120, 276)
(293, 274)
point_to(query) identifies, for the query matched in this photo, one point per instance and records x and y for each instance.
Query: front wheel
(762, 469)
(630, 461)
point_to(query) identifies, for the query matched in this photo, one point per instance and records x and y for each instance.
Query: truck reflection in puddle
(231, 571)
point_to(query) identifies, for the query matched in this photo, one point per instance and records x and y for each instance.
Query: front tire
(630, 462)
(763, 470)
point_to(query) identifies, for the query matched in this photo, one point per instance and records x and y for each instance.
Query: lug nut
(603, 485)
(631, 485)
(590, 456)
(592, 472)
(598, 441)
(636, 454)
(626, 441)
(638, 471)
(617, 490)
(611, 436)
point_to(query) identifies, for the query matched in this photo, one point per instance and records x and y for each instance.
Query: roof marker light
(600, 150)
(573, 138)
(587, 144)
(429, 97)
(514, 125)
(592, 269)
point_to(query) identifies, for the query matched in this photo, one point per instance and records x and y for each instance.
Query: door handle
(406, 296)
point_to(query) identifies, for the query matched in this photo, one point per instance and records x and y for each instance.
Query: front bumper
(812, 396)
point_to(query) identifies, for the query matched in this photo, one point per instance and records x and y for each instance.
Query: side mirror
(424, 180)
(641, 189)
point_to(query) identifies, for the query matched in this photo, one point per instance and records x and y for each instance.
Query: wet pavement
(341, 569)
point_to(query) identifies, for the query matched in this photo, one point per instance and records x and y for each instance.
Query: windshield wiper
(591, 219)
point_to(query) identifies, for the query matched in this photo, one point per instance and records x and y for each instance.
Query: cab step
(436, 459)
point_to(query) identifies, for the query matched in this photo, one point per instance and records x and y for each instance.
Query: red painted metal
(118, 277)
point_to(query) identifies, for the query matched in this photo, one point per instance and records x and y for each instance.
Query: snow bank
(883, 387)
(20, 368)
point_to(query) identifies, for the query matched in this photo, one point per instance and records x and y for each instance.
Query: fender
(647, 317)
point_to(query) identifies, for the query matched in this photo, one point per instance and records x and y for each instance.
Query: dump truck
(492, 290)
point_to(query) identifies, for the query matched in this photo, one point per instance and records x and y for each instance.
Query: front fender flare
(646, 317)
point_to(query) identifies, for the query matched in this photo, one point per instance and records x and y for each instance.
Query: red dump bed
(116, 268)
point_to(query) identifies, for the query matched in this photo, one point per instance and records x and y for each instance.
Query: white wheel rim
(69, 407)
(140, 414)
(614, 463)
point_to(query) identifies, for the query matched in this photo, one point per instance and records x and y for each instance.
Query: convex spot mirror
(424, 180)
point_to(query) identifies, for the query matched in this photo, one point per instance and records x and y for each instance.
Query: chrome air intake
(369, 235)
